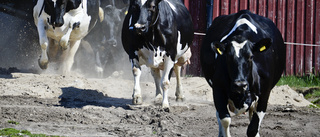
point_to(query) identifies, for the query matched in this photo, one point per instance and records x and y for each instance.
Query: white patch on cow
(180, 51)
(171, 5)
(143, 2)
(130, 20)
(224, 126)
(239, 23)
(151, 58)
(237, 46)
(260, 115)
(236, 110)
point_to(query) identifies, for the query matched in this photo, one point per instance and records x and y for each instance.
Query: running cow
(242, 58)
(61, 25)
(157, 33)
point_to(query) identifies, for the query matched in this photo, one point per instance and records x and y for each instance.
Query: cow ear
(262, 45)
(218, 47)
(158, 1)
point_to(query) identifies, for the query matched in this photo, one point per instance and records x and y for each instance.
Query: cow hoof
(166, 109)
(165, 106)
(158, 99)
(180, 99)
(64, 45)
(43, 64)
(137, 100)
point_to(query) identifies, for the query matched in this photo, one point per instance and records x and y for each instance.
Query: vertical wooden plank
(290, 37)
(224, 7)
(198, 12)
(317, 38)
(281, 15)
(244, 4)
(216, 8)
(262, 8)
(310, 7)
(253, 6)
(272, 10)
(300, 37)
(234, 6)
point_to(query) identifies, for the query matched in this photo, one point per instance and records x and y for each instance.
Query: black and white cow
(102, 46)
(242, 58)
(61, 25)
(157, 33)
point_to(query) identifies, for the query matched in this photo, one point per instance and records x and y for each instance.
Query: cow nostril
(58, 24)
(140, 27)
(112, 42)
(241, 85)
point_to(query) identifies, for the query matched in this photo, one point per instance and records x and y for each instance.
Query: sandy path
(73, 106)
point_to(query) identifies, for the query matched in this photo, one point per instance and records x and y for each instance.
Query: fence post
(317, 38)
(290, 36)
(198, 12)
(309, 36)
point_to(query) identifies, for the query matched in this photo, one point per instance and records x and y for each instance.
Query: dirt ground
(73, 105)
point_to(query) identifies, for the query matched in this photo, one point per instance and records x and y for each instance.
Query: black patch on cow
(75, 25)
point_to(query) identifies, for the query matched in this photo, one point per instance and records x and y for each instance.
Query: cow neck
(152, 38)
(154, 23)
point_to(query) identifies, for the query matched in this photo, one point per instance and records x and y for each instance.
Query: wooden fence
(298, 21)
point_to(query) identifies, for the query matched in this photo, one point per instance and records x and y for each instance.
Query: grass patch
(11, 132)
(13, 122)
(309, 86)
(304, 81)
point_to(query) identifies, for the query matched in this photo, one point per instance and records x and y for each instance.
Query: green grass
(13, 122)
(304, 81)
(309, 86)
(11, 132)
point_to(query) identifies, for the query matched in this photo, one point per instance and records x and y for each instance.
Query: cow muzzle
(56, 22)
(140, 28)
(240, 86)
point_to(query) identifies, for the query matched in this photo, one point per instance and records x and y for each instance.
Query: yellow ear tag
(219, 51)
(126, 12)
(262, 48)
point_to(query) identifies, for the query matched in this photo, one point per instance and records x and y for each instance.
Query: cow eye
(251, 57)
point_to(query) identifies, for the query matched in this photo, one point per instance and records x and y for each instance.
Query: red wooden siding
(298, 21)
(317, 38)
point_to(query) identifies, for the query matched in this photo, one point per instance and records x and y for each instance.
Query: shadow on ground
(78, 98)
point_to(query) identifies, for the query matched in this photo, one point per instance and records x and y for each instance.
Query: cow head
(149, 15)
(112, 24)
(239, 56)
(57, 8)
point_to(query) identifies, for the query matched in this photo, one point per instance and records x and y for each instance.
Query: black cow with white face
(157, 33)
(61, 25)
(242, 57)
(102, 46)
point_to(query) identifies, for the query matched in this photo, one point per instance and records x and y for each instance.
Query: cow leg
(165, 83)
(257, 116)
(222, 114)
(136, 71)
(44, 43)
(65, 39)
(157, 79)
(68, 56)
(179, 90)
(53, 50)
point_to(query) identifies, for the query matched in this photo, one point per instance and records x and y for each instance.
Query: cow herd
(242, 55)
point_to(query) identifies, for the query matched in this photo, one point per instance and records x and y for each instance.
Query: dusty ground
(75, 106)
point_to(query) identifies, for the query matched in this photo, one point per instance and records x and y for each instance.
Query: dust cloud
(19, 48)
